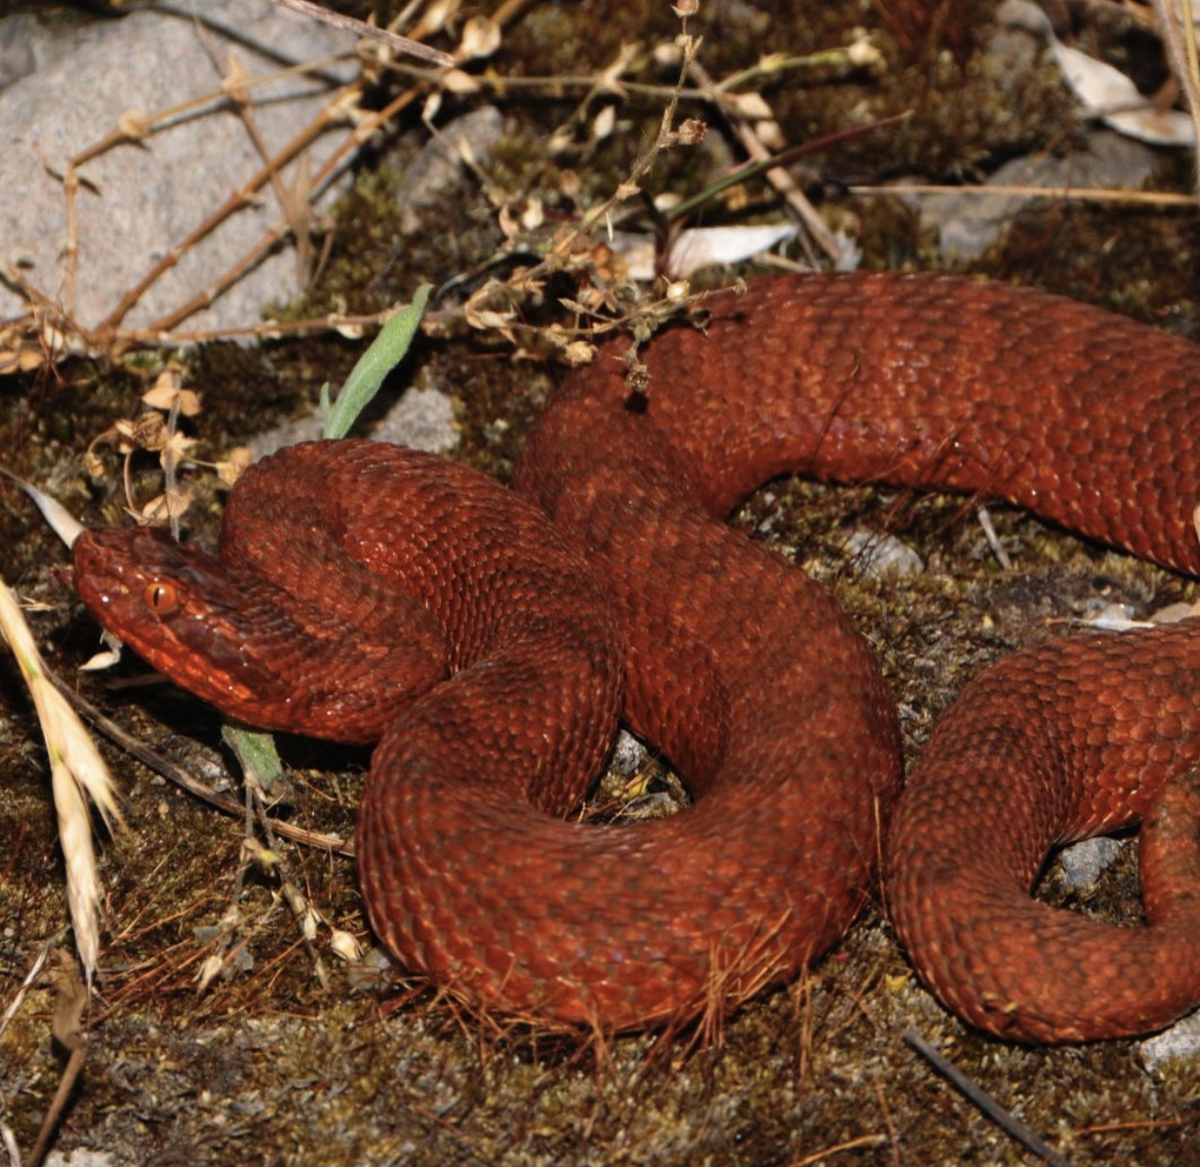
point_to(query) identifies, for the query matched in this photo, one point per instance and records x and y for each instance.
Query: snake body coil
(368, 593)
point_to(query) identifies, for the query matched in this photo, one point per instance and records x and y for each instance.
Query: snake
(488, 639)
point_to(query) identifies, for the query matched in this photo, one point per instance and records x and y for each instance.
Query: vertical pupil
(160, 597)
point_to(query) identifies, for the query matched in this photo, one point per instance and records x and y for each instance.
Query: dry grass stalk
(78, 777)
(1177, 27)
(401, 44)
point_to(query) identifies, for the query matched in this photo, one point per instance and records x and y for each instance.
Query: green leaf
(387, 350)
(258, 756)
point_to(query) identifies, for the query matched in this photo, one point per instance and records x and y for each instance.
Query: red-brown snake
(369, 593)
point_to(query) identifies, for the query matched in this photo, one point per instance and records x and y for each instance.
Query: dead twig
(181, 778)
(980, 1098)
(70, 1000)
(391, 40)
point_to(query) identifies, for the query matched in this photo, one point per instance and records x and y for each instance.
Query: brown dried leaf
(22, 359)
(174, 450)
(164, 507)
(147, 431)
(481, 38)
(167, 391)
(235, 462)
(456, 81)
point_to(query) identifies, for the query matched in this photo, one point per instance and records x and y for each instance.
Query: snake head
(175, 606)
(244, 644)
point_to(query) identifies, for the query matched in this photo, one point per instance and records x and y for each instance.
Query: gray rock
(968, 224)
(30, 41)
(143, 199)
(1182, 1040)
(878, 554)
(422, 419)
(1083, 862)
(440, 166)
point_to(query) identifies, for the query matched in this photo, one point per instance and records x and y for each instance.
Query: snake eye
(161, 597)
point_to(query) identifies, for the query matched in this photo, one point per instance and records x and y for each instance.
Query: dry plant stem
(108, 333)
(70, 999)
(234, 88)
(1177, 29)
(983, 1101)
(331, 115)
(170, 467)
(74, 1068)
(346, 98)
(353, 326)
(270, 858)
(132, 130)
(779, 178)
(294, 201)
(1151, 1124)
(361, 133)
(31, 977)
(601, 212)
(884, 1109)
(1077, 193)
(850, 1145)
(751, 169)
(556, 84)
(359, 28)
(273, 237)
(295, 899)
(509, 9)
(606, 80)
(184, 780)
(984, 518)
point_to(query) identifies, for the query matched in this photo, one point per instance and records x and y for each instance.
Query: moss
(269, 1067)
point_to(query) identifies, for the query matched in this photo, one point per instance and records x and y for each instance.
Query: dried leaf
(603, 123)
(174, 450)
(231, 468)
(481, 38)
(167, 393)
(164, 507)
(1105, 92)
(346, 946)
(579, 352)
(456, 81)
(22, 359)
(752, 106)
